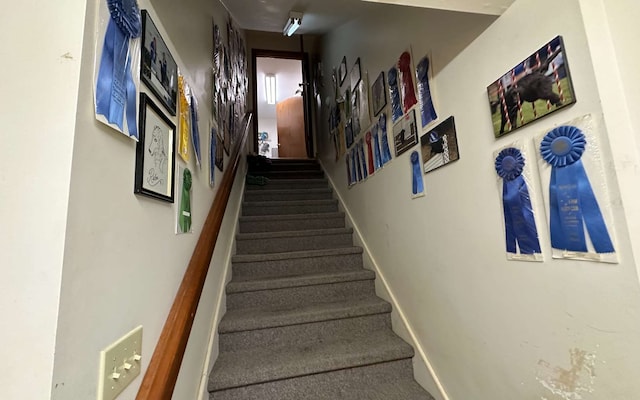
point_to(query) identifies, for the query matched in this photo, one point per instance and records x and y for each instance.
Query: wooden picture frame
(155, 153)
(158, 69)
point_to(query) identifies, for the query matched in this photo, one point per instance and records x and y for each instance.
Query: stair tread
(269, 283)
(283, 234)
(270, 317)
(286, 203)
(280, 217)
(240, 258)
(296, 191)
(245, 367)
(281, 182)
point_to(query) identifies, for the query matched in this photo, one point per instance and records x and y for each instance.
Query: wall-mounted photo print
(439, 146)
(538, 86)
(405, 133)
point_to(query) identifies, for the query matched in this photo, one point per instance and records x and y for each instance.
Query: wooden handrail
(161, 375)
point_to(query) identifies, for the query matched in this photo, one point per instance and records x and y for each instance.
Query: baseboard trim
(394, 301)
(213, 333)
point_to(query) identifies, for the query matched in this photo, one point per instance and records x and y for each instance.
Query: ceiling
(321, 16)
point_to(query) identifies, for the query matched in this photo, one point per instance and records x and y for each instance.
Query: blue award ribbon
(382, 127)
(520, 226)
(363, 161)
(418, 185)
(377, 157)
(354, 174)
(195, 131)
(571, 200)
(427, 110)
(115, 86)
(396, 107)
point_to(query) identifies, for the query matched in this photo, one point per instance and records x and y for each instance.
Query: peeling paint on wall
(572, 383)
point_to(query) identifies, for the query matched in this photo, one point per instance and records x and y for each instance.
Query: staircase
(303, 320)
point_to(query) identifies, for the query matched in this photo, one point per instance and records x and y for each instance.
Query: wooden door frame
(287, 55)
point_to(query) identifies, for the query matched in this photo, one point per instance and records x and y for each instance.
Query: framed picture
(342, 70)
(439, 146)
(405, 132)
(159, 70)
(219, 154)
(213, 151)
(538, 86)
(378, 94)
(155, 152)
(356, 74)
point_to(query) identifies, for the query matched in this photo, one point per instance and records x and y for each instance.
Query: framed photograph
(155, 152)
(378, 95)
(356, 74)
(405, 133)
(159, 70)
(538, 86)
(439, 146)
(342, 70)
(213, 151)
(219, 155)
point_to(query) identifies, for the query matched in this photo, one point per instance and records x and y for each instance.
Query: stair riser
(292, 167)
(301, 295)
(266, 209)
(292, 174)
(257, 196)
(292, 184)
(291, 225)
(328, 386)
(284, 244)
(312, 333)
(298, 266)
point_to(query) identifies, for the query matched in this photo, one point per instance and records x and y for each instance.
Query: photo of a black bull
(531, 87)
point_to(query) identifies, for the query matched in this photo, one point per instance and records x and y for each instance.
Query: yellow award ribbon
(184, 128)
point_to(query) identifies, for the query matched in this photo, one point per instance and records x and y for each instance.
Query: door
(290, 125)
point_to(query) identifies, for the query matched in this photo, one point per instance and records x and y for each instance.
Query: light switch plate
(119, 364)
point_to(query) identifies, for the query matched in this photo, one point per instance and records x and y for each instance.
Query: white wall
(40, 69)
(123, 262)
(495, 329)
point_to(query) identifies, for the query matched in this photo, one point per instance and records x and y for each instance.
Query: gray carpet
(303, 321)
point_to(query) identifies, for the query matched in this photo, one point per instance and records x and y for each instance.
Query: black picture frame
(342, 70)
(155, 153)
(158, 68)
(219, 156)
(356, 74)
(378, 94)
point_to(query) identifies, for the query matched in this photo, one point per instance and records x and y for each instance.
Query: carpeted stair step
(279, 184)
(391, 380)
(289, 207)
(289, 194)
(293, 222)
(296, 263)
(290, 166)
(265, 317)
(341, 286)
(297, 174)
(253, 366)
(279, 242)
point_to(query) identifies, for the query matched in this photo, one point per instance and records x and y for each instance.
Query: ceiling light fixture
(293, 23)
(270, 86)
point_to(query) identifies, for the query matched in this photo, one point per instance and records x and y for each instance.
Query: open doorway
(280, 106)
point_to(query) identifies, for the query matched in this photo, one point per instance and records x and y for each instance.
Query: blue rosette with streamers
(115, 88)
(394, 94)
(519, 222)
(363, 160)
(377, 156)
(417, 185)
(384, 139)
(572, 203)
(427, 110)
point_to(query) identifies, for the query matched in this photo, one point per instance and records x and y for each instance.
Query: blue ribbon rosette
(394, 91)
(384, 139)
(377, 157)
(417, 186)
(115, 86)
(520, 225)
(427, 110)
(571, 200)
(363, 160)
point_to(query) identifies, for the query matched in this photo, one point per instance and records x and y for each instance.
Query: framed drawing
(378, 94)
(155, 152)
(342, 70)
(159, 70)
(356, 74)
(405, 133)
(538, 86)
(439, 146)
(219, 157)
